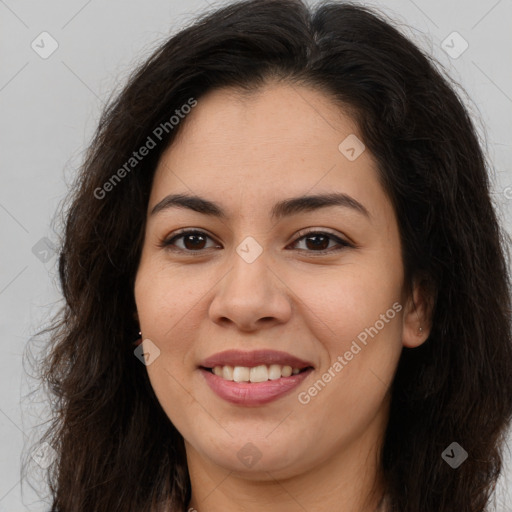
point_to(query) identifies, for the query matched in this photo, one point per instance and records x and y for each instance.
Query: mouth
(240, 361)
(260, 373)
(254, 378)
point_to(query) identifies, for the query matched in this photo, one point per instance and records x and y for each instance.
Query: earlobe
(417, 317)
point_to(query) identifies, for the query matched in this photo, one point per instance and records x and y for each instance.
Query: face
(311, 285)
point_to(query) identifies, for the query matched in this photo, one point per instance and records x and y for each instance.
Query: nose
(251, 295)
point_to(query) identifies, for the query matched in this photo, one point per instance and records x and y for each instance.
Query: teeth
(227, 372)
(274, 372)
(286, 371)
(241, 374)
(260, 373)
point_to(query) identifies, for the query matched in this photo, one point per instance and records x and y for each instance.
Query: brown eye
(192, 240)
(318, 242)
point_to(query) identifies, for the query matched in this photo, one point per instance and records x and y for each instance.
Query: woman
(285, 284)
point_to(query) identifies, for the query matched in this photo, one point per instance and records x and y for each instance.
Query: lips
(293, 371)
(254, 358)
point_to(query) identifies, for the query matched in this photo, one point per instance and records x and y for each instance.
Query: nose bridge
(250, 291)
(250, 280)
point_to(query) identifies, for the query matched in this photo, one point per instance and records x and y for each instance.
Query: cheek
(357, 319)
(169, 309)
(164, 308)
(165, 299)
(158, 310)
(342, 303)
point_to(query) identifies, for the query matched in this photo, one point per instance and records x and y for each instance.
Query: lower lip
(256, 393)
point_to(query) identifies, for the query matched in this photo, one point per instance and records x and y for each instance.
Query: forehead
(279, 140)
(283, 114)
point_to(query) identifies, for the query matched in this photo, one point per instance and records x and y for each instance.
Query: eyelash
(168, 243)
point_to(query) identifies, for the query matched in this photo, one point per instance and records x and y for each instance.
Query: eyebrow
(284, 208)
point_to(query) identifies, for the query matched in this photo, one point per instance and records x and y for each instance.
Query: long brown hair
(116, 448)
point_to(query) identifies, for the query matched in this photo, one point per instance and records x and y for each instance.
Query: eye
(316, 241)
(193, 240)
(320, 240)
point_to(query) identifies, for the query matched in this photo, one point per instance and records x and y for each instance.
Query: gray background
(50, 108)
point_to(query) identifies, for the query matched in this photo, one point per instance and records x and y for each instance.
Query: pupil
(190, 237)
(321, 245)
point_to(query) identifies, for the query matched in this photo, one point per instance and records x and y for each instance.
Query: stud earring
(138, 341)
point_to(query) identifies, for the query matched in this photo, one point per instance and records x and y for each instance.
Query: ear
(136, 317)
(417, 317)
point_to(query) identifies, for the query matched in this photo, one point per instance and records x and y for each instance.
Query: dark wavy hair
(116, 448)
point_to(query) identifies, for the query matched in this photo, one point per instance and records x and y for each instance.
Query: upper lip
(254, 358)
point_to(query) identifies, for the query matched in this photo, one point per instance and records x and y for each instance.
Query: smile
(253, 378)
(250, 393)
(261, 373)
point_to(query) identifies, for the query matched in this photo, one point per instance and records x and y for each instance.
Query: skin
(246, 153)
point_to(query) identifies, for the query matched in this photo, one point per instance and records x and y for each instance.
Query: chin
(254, 456)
